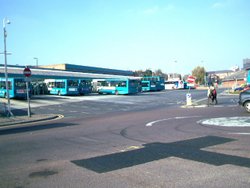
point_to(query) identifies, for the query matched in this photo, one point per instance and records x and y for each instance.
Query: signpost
(27, 74)
(190, 80)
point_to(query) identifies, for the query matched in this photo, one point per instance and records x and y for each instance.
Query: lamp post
(36, 61)
(6, 21)
(205, 74)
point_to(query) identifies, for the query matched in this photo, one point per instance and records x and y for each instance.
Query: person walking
(212, 95)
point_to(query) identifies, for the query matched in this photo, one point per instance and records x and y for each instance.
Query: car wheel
(247, 106)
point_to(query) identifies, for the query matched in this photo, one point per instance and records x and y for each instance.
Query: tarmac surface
(21, 118)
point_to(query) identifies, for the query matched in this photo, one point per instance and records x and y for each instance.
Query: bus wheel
(116, 92)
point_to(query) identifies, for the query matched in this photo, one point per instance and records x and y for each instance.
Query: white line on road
(240, 133)
(160, 120)
(243, 121)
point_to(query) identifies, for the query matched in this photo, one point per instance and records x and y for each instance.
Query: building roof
(219, 72)
(88, 69)
(239, 75)
(17, 71)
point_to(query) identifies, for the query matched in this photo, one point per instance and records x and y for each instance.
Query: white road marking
(160, 120)
(240, 133)
(84, 112)
(227, 121)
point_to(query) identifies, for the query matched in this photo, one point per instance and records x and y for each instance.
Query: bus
(85, 86)
(174, 84)
(121, 86)
(147, 85)
(16, 86)
(152, 83)
(62, 86)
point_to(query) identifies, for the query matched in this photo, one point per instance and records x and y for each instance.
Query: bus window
(145, 84)
(20, 83)
(72, 83)
(122, 84)
(59, 85)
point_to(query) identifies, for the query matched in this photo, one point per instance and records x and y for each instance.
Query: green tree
(199, 73)
(158, 72)
(148, 72)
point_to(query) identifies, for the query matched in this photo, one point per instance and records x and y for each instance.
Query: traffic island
(15, 121)
(196, 103)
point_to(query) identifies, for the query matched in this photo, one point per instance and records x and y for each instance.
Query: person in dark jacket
(212, 95)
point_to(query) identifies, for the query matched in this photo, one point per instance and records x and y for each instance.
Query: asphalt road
(145, 140)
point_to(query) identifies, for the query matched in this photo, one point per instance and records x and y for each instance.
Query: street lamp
(36, 61)
(6, 21)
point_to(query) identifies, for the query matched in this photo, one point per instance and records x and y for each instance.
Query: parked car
(244, 100)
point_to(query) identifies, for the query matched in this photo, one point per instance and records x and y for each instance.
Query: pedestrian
(212, 95)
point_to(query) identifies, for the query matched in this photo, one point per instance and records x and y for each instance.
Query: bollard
(189, 99)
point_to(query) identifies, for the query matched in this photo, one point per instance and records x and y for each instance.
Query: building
(236, 79)
(217, 76)
(88, 69)
(246, 64)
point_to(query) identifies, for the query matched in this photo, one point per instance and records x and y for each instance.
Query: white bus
(174, 84)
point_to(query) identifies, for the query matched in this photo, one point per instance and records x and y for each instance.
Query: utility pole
(6, 21)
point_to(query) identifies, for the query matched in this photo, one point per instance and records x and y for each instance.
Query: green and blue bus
(147, 85)
(85, 86)
(63, 86)
(16, 86)
(152, 83)
(116, 86)
(160, 83)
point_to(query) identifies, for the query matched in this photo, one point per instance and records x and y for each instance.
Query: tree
(139, 73)
(199, 73)
(148, 72)
(158, 72)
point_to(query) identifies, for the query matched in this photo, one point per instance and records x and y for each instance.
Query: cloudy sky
(171, 35)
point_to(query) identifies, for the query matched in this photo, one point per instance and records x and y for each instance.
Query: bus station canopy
(42, 73)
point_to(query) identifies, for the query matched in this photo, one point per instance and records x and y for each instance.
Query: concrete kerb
(15, 121)
(197, 104)
(203, 102)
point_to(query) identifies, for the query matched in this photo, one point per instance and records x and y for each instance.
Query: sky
(171, 35)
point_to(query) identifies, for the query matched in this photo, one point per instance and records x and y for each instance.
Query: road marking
(227, 121)
(160, 120)
(131, 148)
(240, 133)
(84, 112)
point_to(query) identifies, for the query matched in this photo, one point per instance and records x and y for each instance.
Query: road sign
(191, 79)
(27, 72)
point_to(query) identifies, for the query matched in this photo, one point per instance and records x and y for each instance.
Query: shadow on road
(34, 128)
(186, 149)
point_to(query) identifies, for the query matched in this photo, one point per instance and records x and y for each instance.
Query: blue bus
(116, 86)
(85, 86)
(147, 85)
(62, 86)
(16, 86)
(153, 83)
